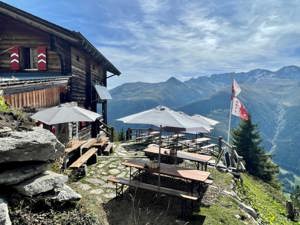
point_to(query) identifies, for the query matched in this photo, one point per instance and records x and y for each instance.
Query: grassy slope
(224, 209)
(267, 201)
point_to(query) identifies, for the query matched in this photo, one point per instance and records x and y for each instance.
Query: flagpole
(229, 122)
(230, 110)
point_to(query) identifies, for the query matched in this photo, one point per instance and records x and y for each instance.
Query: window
(77, 58)
(28, 56)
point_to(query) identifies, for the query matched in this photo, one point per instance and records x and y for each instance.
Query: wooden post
(112, 132)
(220, 150)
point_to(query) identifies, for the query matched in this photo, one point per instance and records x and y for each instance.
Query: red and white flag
(238, 109)
(236, 90)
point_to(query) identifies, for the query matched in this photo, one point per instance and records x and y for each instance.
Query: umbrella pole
(159, 152)
(177, 146)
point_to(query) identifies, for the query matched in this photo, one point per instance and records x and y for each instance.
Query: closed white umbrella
(163, 117)
(66, 113)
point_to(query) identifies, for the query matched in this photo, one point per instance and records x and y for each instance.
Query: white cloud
(196, 37)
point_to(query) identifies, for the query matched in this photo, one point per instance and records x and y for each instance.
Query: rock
(114, 171)
(248, 210)
(95, 181)
(21, 173)
(5, 131)
(96, 191)
(237, 216)
(84, 187)
(36, 145)
(108, 185)
(110, 195)
(112, 166)
(42, 183)
(4, 215)
(65, 194)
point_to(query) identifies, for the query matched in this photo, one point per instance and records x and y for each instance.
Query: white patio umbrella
(163, 117)
(167, 118)
(205, 120)
(65, 113)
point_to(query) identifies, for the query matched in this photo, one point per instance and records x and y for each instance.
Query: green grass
(224, 211)
(3, 106)
(266, 200)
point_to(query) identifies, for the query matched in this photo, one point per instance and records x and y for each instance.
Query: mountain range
(271, 97)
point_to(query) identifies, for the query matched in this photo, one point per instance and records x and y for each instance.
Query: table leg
(192, 187)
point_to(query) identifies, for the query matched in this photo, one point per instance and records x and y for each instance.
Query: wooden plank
(101, 143)
(170, 170)
(208, 146)
(74, 147)
(108, 148)
(84, 158)
(150, 187)
(180, 154)
(89, 143)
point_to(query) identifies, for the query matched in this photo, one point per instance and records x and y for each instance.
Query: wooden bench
(100, 145)
(75, 145)
(150, 187)
(89, 143)
(80, 163)
(108, 149)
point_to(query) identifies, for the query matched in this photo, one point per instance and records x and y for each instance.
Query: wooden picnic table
(194, 157)
(169, 170)
(74, 146)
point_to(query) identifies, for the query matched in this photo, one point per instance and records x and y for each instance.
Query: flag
(238, 109)
(236, 90)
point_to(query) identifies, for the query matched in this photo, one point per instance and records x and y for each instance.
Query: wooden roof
(75, 38)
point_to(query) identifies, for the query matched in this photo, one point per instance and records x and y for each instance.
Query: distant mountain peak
(291, 68)
(173, 80)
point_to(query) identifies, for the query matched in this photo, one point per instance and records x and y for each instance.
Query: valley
(271, 97)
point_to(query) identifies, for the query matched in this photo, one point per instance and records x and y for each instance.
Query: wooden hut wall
(78, 82)
(14, 33)
(36, 99)
(98, 77)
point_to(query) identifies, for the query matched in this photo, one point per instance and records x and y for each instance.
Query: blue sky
(151, 40)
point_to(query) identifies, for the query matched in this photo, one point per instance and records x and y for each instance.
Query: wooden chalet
(43, 64)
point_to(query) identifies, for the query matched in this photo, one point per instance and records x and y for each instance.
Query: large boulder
(4, 215)
(44, 182)
(65, 194)
(36, 145)
(21, 173)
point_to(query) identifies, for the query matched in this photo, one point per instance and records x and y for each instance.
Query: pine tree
(247, 140)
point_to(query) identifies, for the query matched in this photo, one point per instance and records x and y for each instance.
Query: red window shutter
(42, 58)
(14, 59)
